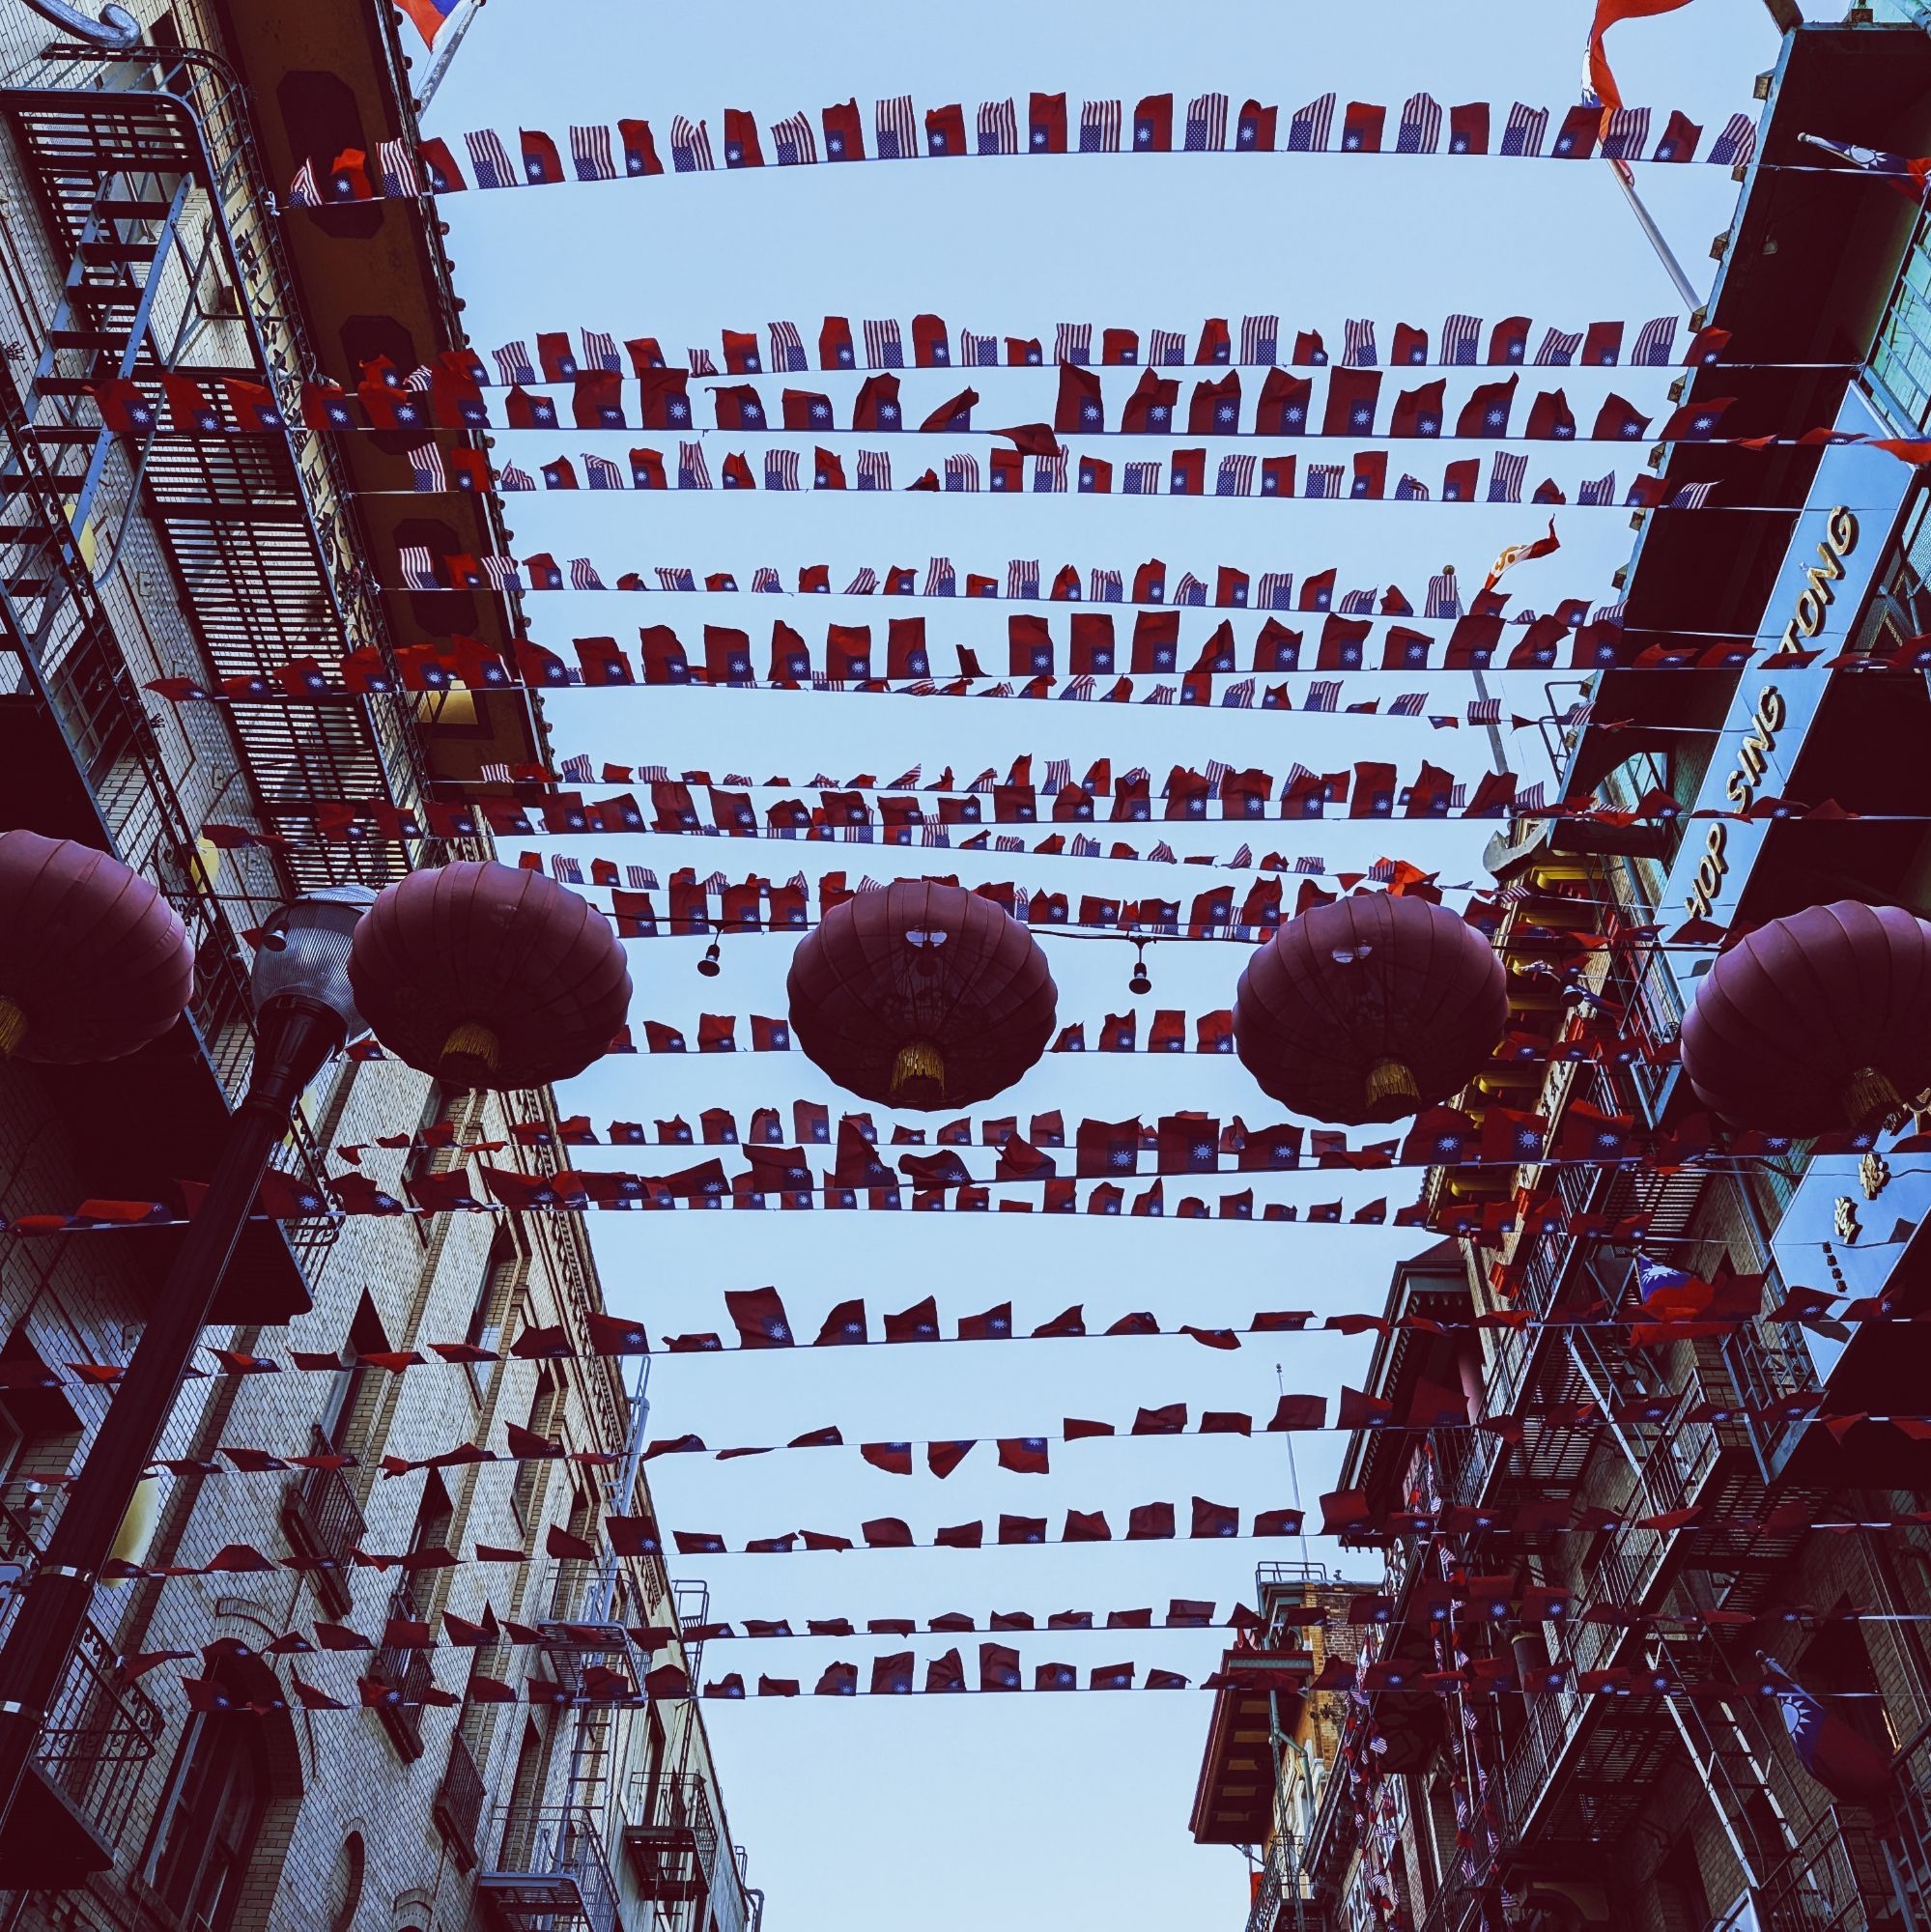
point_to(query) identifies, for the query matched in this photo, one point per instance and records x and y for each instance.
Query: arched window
(211, 1818)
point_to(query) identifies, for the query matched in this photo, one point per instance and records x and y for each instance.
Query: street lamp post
(305, 1011)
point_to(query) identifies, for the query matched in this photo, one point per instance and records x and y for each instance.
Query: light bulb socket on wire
(1140, 982)
(709, 965)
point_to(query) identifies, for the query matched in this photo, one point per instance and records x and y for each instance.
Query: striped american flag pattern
(1381, 872)
(304, 190)
(425, 463)
(787, 348)
(874, 469)
(1238, 696)
(963, 473)
(1072, 342)
(930, 834)
(510, 477)
(1309, 862)
(1421, 126)
(1485, 711)
(1167, 349)
(1737, 144)
(419, 379)
(864, 584)
(793, 142)
(1049, 473)
(1236, 477)
(780, 473)
(1277, 590)
(1022, 577)
(491, 160)
(820, 682)
(1323, 694)
(600, 351)
(502, 572)
(1260, 339)
(1309, 131)
(1100, 128)
(566, 871)
(1461, 339)
(1005, 842)
(1444, 596)
(670, 578)
(1598, 493)
(897, 128)
(884, 348)
(590, 151)
(1410, 490)
(1324, 479)
(602, 472)
(1692, 497)
(986, 781)
(1527, 131)
(640, 879)
(1079, 689)
(1530, 800)
(1656, 342)
(940, 579)
(400, 175)
(1244, 855)
(692, 471)
(1505, 476)
(577, 771)
(1628, 136)
(764, 580)
(1143, 479)
(417, 567)
(1137, 776)
(1190, 590)
(690, 145)
(584, 575)
(513, 364)
(1059, 776)
(1207, 124)
(1558, 349)
(1458, 797)
(701, 362)
(909, 782)
(1356, 603)
(1359, 352)
(1408, 705)
(978, 352)
(1103, 586)
(1161, 693)
(998, 128)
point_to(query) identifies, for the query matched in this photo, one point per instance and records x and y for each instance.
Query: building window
(502, 1276)
(212, 1819)
(543, 1410)
(344, 1424)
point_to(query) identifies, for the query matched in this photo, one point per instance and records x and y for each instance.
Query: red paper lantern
(94, 962)
(1370, 1008)
(489, 976)
(1816, 1022)
(922, 996)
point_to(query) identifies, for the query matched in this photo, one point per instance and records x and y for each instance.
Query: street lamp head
(302, 957)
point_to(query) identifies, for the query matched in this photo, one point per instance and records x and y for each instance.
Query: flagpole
(1664, 252)
(440, 65)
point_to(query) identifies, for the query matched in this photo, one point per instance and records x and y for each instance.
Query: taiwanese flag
(1285, 403)
(1693, 422)
(1153, 124)
(123, 408)
(1617, 422)
(640, 150)
(741, 149)
(664, 399)
(844, 134)
(1361, 127)
(1352, 396)
(1254, 131)
(597, 402)
(945, 131)
(1835, 1755)
(1509, 339)
(439, 169)
(189, 408)
(1668, 1294)
(430, 15)
(953, 414)
(349, 177)
(1550, 419)
(542, 166)
(1080, 406)
(1149, 410)
(1119, 347)
(1047, 125)
(1487, 410)
(1679, 140)
(1576, 138)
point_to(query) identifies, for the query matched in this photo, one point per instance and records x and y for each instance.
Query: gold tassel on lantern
(12, 1026)
(1391, 1080)
(470, 1042)
(1871, 1101)
(918, 1060)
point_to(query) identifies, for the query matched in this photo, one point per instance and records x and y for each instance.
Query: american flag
(1260, 339)
(496, 775)
(1143, 479)
(1022, 577)
(1103, 586)
(1137, 776)
(510, 477)
(1485, 711)
(998, 128)
(765, 581)
(304, 191)
(897, 128)
(780, 473)
(1161, 693)
(513, 364)
(1461, 339)
(590, 151)
(1692, 497)
(1100, 128)
(575, 770)
(793, 142)
(1324, 479)
(1359, 354)
(1072, 342)
(419, 379)
(399, 170)
(1080, 689)
(502, 572)
(1167, 349)
(1505, 476)
(884, 348)
(787, 348)
(1421, 126)
(1530, 800)
(1237, 476)
(701, 362)
(1597, 494)
(1628, 136)
(1558, 349)
(690, 147)
(941, 581)
(1381, 872)
(1410, 490)
(602, 472)
(1527, 127)
(1005, 842)
(692, 471)
(1277, 590)
(978, 352)
(1656, 342)
(600, 351)
(930, 834)
(1444, 597)
(653, 775)
(1162, 854)
(1190, 590)
(1309, 862)
(874, 470)
(1049, 473)
(962, 473)
(1736, 143)
(584, 575)
(417, 566)
(1408, 705)
(864, 584)
(1323, 694)
(1242, 857)
(1207, 124)
(1356, 603)
(491, 160)
(1309, 131)
(641, 879)
(1238, 696)
(670, 578)
(566, 871)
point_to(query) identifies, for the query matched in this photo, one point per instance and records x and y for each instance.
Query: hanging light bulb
(708, 965)
(1140, 982)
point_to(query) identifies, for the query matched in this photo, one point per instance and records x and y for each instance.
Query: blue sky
(1025, 1811)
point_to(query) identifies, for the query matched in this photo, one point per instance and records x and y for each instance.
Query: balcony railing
(408, 1672)
(671, 1839)
(552, 1874)
(458, 1809)
(323, 1522)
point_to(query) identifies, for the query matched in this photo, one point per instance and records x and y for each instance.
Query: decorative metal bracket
(117, 29)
